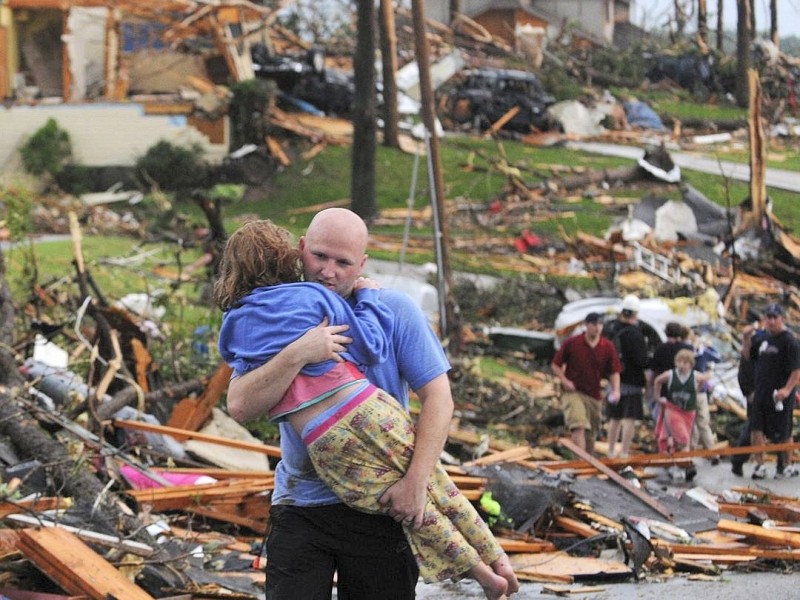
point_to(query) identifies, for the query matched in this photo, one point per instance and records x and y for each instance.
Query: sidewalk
(718, 478)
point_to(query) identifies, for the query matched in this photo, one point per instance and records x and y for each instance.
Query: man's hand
(323, 342)
(406, 502)
(253, 394)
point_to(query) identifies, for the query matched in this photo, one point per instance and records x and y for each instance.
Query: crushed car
(694, 72)
(304, 81)
(483, 96)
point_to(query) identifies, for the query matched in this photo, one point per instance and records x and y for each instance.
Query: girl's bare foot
(502, 567)
(494, 586)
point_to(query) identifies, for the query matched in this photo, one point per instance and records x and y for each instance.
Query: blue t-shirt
(415, 358)
(270, 318)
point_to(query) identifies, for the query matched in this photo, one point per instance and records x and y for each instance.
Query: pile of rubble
(153, 487)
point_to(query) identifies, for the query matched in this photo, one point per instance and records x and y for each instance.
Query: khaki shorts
(581, 411)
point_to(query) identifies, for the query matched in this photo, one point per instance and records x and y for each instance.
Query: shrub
(47, 151)
(173, 167)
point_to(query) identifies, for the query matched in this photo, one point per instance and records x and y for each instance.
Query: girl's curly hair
(257, 254)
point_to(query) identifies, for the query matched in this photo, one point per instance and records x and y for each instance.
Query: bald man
(312, 534)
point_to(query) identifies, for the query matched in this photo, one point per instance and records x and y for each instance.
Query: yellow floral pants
(364, 448)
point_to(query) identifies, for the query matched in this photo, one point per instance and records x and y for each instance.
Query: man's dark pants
(369, 553)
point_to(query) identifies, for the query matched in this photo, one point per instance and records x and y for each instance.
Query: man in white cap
(632, 350)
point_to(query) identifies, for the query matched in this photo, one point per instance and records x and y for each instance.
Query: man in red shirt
(581, 364)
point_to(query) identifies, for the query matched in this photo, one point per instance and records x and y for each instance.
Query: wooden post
(66, 75)
(758, 147)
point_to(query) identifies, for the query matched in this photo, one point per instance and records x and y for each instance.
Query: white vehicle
(654, 314)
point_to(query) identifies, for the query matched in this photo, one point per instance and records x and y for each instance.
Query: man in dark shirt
(632, 350)
(776, 375)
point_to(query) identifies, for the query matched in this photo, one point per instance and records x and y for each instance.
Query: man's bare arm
(407, 497)
(614, 379)
(560, 372)
(788, 388)
(251, 395)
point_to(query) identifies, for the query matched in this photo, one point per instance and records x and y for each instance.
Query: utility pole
(450, 325)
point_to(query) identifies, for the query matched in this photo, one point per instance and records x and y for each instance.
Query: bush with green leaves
(47, 151)
(174, 167)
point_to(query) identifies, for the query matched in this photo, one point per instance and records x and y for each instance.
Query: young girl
(359, 437)
(679, 404)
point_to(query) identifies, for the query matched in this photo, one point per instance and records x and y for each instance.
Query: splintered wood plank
(760, 534)
(743, 552)
(192, 413)
(520, 452)
(531, 547)
(74, 566)
(183, 434)
(687, 558)
(565, 590)
(184, 496)
(773, 511)
(35, 505)
(575, 526)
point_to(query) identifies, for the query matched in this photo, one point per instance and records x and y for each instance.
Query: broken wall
(40, 49)
(162, 71)
(107, 134)
(85, 42)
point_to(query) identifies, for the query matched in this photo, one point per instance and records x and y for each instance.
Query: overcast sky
(655, 13)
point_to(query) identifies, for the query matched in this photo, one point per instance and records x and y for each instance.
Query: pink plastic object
(140, 481)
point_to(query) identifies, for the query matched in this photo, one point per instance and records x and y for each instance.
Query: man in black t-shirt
(776, 375)
(630, 343)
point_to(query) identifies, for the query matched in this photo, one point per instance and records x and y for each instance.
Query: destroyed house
(593, 20)
(151, 69)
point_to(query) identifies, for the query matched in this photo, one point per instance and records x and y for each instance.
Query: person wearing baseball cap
(776, 376)
(631, 348)
(581, 364)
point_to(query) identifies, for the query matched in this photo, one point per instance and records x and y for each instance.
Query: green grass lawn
(328, 180)
(469, 174)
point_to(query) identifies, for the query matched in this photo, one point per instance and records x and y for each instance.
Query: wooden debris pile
(178, 524)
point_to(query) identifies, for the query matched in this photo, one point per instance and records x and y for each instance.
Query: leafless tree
(773, 23)
(391, 116)
(702, 23)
